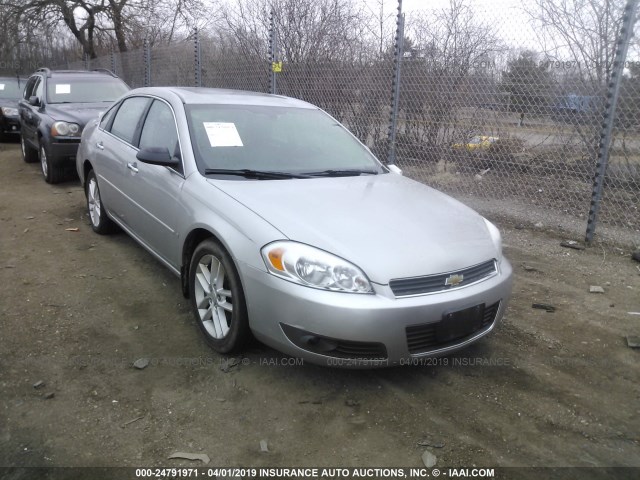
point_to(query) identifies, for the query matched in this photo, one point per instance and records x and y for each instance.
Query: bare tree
(308, 30)
(100, 24)
(449, 47)
(584, 31)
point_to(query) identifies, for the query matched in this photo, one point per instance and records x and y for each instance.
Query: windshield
(11, 88)
(85, 90)
(267, 138)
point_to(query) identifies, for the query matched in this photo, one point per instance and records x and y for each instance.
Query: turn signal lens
(275, 257)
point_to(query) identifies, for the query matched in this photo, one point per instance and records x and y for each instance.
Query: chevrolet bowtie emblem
(454, 280)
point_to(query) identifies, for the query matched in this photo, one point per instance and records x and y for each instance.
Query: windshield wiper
(249, 173)
(342, 173)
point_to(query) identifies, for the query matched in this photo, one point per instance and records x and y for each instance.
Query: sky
(507, 15)
(408, 5)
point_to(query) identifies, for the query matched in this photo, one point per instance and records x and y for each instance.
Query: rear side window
(128, 117)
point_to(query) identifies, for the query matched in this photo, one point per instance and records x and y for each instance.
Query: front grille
(437, 283)
(423, 338)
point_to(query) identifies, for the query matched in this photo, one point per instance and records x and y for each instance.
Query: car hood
(80, 113)
(388, 225)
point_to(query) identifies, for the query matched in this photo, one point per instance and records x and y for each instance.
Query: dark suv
(55, 107)
(10, 93)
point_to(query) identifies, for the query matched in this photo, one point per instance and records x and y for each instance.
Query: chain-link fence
(490, 112)
(506, 109)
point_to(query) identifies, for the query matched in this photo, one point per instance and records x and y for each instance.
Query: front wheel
(51, 171)
(100, 222)
(217, 298)
(29, 154)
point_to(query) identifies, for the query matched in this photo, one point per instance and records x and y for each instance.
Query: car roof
(75, 73)
(201, 95)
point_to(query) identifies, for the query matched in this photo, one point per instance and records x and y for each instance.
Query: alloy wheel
(213, 297)
(93, 200)
(43, 162)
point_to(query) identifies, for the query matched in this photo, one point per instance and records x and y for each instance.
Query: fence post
(146, 57)
(395, 97)
(613, 93)
(198, 63)
(113, 62)
(272, 54)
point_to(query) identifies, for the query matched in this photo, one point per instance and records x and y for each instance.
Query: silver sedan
(282, 225)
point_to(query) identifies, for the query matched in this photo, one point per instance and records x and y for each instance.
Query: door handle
(100, 145)
(133, 167)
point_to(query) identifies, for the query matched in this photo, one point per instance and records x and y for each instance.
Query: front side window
(104, 121)
(71, 89)
(128, 117)
(159, 128)
(28, 90)
(39, 89)
(283, 139)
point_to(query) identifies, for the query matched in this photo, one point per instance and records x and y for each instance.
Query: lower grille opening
(424, 338)
(333, 347)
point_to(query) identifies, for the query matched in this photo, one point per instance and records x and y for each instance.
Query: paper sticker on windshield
(222, 134)
(62, 88)
(1, 86)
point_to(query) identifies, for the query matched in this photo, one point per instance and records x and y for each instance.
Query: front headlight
(313, 267)
(65, 129)
(9, 112)
(495, 236)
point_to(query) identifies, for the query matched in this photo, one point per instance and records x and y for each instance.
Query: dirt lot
(546, 389)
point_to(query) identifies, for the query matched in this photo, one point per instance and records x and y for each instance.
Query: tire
(100, 221)
(51, 171)
(222, 318)
(29, 154)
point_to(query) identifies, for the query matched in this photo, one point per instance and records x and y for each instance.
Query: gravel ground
(77, 309)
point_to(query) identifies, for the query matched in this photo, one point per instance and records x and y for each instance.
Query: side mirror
(157, 156)
(394, 169)
(35, 101)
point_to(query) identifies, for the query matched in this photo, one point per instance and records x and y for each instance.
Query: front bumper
(282, 312)
(9, 124)
(62, 150)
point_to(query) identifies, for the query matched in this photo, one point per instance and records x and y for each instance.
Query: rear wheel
(100, 222)
(51, 171)
(217, 298)
(29, 154)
